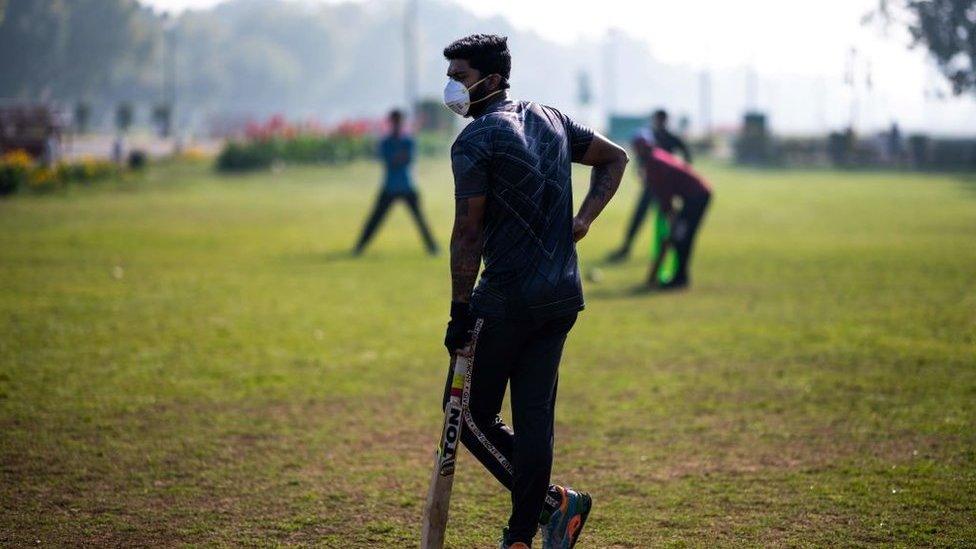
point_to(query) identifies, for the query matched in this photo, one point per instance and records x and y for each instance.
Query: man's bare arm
(609, 162)
(467, 241)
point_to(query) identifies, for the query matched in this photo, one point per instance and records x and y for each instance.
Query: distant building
(754, 145)
(623, 128)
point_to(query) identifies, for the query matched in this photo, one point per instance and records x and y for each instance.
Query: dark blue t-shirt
(518, 154)
(397, 155)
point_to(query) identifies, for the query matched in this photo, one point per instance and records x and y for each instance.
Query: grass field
(194, 359)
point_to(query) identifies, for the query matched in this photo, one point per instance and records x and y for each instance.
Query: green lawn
(194, 359)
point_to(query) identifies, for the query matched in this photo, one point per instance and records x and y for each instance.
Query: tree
(947, 29)
(124, 116)
(107, 41)
(70, 49)
(31, 39)
(162, 117)
(82, 117)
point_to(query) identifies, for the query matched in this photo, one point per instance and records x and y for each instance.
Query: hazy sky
(812, 37)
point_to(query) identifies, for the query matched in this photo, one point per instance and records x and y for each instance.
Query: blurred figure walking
(661, 137)
(396, 151)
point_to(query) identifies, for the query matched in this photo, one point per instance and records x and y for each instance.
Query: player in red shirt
(668, 179)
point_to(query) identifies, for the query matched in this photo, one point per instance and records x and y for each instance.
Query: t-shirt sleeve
(579, 137)
(469, 161)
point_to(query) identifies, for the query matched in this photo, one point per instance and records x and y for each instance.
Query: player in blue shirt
(396, 151)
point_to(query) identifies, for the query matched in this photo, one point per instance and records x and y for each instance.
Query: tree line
(258, 57)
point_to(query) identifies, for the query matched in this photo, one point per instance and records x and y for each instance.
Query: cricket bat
(442, 479)
(664, 261)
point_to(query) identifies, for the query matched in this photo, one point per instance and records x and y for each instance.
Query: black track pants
(637, 219)
(383, 203)
(527, 355)
(683, 232)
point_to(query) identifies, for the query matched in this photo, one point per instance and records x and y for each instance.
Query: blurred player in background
(683, 197)
(660, 136)
(396, 151)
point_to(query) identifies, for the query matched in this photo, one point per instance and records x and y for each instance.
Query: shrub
(70, 173)
(12, 179)
(138, 160)
(93, 169)
(244, 156)
(19, 172)
(276, 141)
(84, 171)
(15, 169)
(300, 149)
(44, 180)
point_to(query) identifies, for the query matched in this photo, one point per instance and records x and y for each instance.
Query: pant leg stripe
(468, 418)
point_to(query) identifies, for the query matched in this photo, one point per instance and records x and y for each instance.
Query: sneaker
(566, 522)
(516, 545)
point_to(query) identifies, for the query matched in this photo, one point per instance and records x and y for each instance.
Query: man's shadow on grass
(601, 292)
(337, 256)
(312, 257)
(348, 257)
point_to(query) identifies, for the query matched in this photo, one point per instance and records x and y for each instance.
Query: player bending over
(670, 180)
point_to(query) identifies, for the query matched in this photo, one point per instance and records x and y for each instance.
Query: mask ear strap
(487, 96)
(478, 82)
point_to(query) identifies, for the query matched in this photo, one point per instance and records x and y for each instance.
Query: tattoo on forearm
(601, 183)
(466, 247)
(604, 181)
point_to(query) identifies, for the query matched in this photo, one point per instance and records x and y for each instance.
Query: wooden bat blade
(442, 479)
(436, 509)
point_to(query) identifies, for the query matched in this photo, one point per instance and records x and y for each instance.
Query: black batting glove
(459, 328)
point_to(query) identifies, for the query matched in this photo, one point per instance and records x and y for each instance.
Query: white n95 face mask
(457, 97)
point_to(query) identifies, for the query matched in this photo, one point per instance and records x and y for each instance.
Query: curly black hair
(488, 53)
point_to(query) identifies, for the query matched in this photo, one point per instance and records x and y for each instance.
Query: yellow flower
(195, 154)
(17, 158)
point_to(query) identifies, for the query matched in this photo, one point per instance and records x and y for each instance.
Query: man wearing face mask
(514, 213)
